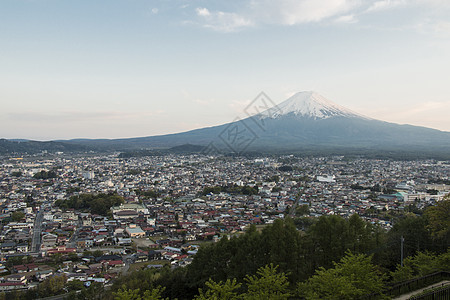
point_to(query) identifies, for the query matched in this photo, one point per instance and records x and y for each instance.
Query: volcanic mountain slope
(304, 121)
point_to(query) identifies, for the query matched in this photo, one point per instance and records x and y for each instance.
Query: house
(17, 278)
(49, 240)
(22, 247)
(152, 254)
(68, 215)
(42, 275)
(86, 220)
(89, 243)
(115, 263)
(123, 241)
(21, 236)
(61, 250)
(108, 257)
(138, 208)
(77, 276)
(81, 243)
(141, 257)
(126, 214)
(8, 247)
(20, 269)
(8, 286)
(25, 268)
(85, 243)
(135, 231)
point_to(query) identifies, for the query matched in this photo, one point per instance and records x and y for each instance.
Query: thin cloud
(223, 21)
(437, 28)
(385, 5)
(255, 13)
(440, 4)
(349, 19)
(293, 12)
(282, 12)
(203, 12)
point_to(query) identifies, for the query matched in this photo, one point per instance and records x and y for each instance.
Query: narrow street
(36, 239)
(73, 239)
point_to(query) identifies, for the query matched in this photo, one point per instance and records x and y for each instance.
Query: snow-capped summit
(309, 104)
(304, 124)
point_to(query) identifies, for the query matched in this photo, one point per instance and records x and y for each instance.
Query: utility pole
(401, 250)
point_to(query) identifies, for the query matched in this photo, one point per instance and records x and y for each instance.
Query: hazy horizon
(129, 69)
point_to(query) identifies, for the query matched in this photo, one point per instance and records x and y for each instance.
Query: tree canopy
(232, 189)
(45, 174)
(95, 203)
(439, 218)
(351, 278)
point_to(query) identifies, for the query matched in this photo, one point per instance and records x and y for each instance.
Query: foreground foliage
(331, 257)
(351, 278)
(318, 258)
(421, 264)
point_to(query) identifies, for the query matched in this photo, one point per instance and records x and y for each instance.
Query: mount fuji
(304, 122)
(309, 104)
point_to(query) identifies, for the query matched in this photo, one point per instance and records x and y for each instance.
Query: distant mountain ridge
(305, 121)
(32, 147)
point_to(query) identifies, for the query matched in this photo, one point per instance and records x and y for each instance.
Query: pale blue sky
(124, 68)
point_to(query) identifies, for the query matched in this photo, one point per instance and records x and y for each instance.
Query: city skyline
(139, 68)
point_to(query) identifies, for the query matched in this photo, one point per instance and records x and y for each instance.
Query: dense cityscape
(225, 150)
(94, 217)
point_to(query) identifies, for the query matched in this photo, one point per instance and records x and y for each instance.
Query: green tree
(137, 294)
(94, 291)
(267, 284)
(14, 261)
(415, 235)
(360, 235)
(17, 216)
(72, 256)
(45, 174)
(328, 240)
(274, 178)
(282, 245)
(421, 264)
(52, 286)
(285, 168)
(302, 210)
(351, 278)
(95, 203)
(439, 218)
(75, 285)
(219, 290)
